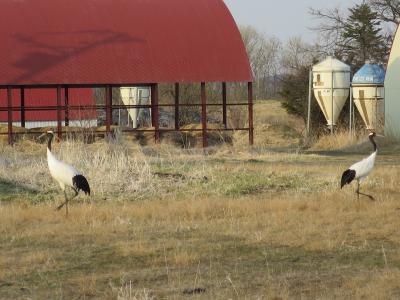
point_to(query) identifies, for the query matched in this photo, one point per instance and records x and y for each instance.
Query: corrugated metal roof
(119, 42)
(48, 97)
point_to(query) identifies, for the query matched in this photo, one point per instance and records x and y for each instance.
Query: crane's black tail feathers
(347, 177)
(81, 183)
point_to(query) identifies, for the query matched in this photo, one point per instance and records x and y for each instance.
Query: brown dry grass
(242, 225)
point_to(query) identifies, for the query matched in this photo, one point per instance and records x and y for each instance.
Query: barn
(392, 91)
(60, 45)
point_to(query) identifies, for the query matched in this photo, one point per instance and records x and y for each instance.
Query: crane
(65, 174)
(361, 169)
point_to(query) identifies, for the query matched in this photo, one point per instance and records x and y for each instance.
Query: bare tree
(388, 10)
(263, 53)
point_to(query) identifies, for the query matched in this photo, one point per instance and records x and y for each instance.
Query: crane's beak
(380, 135)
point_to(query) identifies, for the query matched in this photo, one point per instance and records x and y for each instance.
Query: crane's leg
(359, 193)
(358, 189)
(64, 203)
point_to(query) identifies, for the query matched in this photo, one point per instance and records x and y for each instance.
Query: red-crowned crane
(66, 175)
(361, 169)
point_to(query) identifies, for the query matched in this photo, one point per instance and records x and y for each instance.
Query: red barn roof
(46, 42)
(48, 97)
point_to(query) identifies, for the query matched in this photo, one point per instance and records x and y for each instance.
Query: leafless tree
(388, 10)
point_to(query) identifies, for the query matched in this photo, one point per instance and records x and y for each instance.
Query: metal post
(22, 107)
(204, 114)
(351, 111)
(10, 116)
(224, 105)
(250, 105)
(177, 106)
(310, 85)
(156, 118)
(332, 116)
(108, 109)
(66, 102)
(59, 112)
(152, 109)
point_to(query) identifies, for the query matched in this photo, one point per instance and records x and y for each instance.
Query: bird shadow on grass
(10, 191)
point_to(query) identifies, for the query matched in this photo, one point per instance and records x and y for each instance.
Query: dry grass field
(167, 223)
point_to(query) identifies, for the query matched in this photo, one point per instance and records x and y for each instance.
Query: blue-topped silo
(369, 93)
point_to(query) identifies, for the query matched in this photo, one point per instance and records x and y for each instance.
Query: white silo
(369, 93)
(135, 96)
(331, 85)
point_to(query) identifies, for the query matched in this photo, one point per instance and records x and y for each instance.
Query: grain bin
(369, 93)
(135, 96)
(331, 85)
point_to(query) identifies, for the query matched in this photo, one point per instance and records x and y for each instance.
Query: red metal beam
(250, 100)
(224, 105)
(59, 124)
(22, 94)
(108, 109)
(66, 102)
(204, 114)
(154, 97)
(10, 116)
(177, 106)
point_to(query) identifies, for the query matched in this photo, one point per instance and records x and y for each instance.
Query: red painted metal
(224, 105)
(86, 42)
(177, 106)
(109, 93)
(156, 116)
(10, 115)
(204, 114)
(66, 103)
(59, 124)
(22, 93)
(251, 126)
(34, 99)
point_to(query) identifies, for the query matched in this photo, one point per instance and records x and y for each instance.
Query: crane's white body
(60, 171)
(364, 167)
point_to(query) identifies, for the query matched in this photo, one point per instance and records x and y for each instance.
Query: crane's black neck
(49, 141)
(371, 138)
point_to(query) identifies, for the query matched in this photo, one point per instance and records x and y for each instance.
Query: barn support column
(66, 102)
(59, 124)
(109, 93)
(22, 94)
(155, 112)
(204, 114)
(250, 105)
(224, 105)
(9, 115)
(177, 106)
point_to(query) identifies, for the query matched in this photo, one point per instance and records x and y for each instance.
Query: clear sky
(282, 18)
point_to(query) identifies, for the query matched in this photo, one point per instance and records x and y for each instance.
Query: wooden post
(10, 116)
(177, 106)
(250, 101)
(224, 105)
(22, 90)
(204, 114)
(66, 102)
(59, 124)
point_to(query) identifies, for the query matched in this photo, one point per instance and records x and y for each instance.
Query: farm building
(61, 45)
(392, 90)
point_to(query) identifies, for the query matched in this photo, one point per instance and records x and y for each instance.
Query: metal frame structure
(310, 96)
(62, 104)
